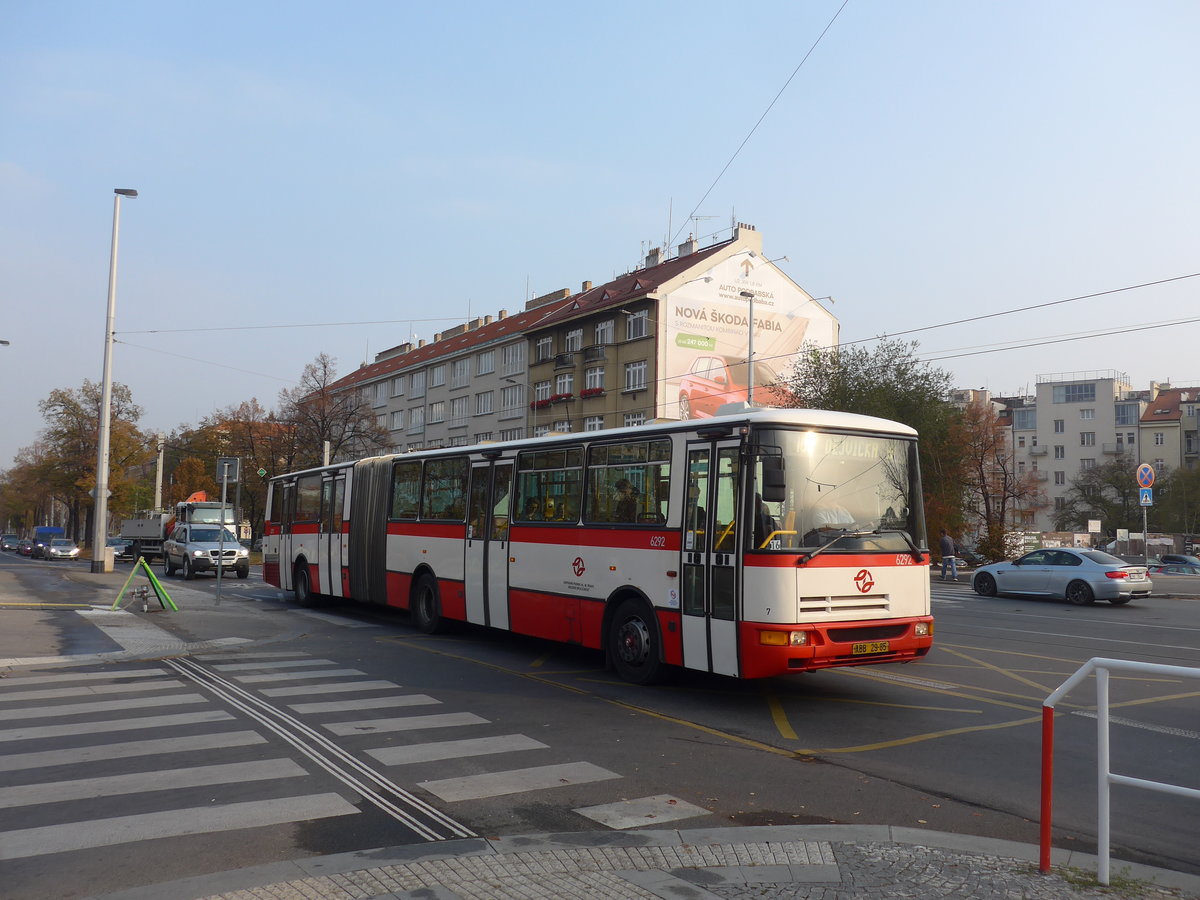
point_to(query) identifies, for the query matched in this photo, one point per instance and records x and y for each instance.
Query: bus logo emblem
(578, 567)
(864, 581)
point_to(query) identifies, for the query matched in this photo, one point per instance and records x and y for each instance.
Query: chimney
(587, 286)
(688, 247)
(420, 343)
(653, 258)
(503, 314)
(487, 320)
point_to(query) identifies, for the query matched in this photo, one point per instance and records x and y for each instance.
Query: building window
(512, 434)
(574, 341)
(482, 436)
(541, 391)
(512, 358)
(398, 386)
(565, 383)
(437, 376)
(381, 420)
(1129, 438)
(1060, 452)
(483, 403)
(1160, 438)
(485, 362)
(1020, 442)
(459, 440)
(635, 325)
(437, 411)
(416, 420)
(460, 373)
(593, 378)
(1126, 414)
(1024, 419)
(1021, 467)
(544, 349)
(1087, 439)
(1074, 393)
(1060, 503)
(1060, 477)
(633, 420)
(563, 425)
(604, 332)
(417, 388)
(397, 420)
(593, 423)
(458, 411)
(1087, 414)
(511, 400)
(380, 392)
(1087, 464)
(541, 430)
(1060, 425)
(635, 376)
(1160, 465)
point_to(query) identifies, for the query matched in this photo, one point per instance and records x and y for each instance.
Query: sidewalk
(829, 862)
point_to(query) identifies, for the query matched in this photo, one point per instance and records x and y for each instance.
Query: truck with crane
(148, 529)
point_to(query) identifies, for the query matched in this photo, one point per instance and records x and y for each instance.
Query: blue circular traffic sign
(1145, 475)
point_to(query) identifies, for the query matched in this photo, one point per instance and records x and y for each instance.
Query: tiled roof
(1166, 407)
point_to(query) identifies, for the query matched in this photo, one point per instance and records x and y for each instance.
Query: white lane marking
(88, 690)
(1133, 723)
(642, 811)
(13, 762)
(295, 676)
(98, 706)
(365, 703)
(336, 687)
(171, 823)
(145, 782)
(53, 731)
(275, 664)
(216, 657)
(516, 781)
(439, 750)
(340, 621)
(407, 723)
(61, 677)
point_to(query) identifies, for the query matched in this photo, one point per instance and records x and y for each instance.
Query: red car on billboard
(714, 380)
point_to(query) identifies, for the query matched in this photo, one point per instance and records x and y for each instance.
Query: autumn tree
(1177, 501)
(319, 410)
(994, 486)
(890, 382)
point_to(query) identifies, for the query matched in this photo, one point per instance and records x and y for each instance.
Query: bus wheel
(633, 643)
(302, 585)
(426, 608)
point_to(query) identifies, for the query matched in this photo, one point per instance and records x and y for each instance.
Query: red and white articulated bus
(750, 545)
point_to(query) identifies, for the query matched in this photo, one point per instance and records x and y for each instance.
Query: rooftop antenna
(695, 220)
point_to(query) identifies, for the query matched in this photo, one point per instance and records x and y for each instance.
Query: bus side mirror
(774, 485)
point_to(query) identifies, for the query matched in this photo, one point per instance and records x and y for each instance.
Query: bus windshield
(862, 489)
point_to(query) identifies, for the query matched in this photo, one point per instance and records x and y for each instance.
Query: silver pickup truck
(197, 548)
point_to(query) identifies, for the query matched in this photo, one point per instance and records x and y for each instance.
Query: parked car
(25, 547)
(9, 541)
(60, 548)
(1080, 576)
(713, 381)
(1180, 559)
(122, 549)
(1175, 569)
(196, 548)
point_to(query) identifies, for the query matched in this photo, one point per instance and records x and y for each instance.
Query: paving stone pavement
(771, 863)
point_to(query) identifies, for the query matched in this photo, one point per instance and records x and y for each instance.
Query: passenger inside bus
(533, 510)
(627, 506)
(765, 525)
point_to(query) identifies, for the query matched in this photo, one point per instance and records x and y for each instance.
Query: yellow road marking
(1000, 671)
(41, 605)
(779, 717)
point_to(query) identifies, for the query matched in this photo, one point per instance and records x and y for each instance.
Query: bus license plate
(869, 647)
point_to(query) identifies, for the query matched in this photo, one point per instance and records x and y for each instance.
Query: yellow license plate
(869, 647)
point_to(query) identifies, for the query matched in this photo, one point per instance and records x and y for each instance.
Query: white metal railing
(1105, 777)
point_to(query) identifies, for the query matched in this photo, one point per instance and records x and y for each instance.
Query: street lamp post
(100, 521)
(749, 295)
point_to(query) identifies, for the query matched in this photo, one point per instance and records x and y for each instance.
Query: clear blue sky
(309, 163)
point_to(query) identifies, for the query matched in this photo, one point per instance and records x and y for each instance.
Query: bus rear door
(710, 558)
(331, 541)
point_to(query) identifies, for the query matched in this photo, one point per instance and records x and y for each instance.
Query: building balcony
(564, 361)
(1112, 449)
(1038, 451)
(594, 353)
(1040, 476)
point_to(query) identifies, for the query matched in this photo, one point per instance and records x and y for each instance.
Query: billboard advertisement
(706, 340)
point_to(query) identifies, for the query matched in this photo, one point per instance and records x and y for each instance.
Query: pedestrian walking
(947, 548)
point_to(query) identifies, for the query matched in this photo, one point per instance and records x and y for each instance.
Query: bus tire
(633, 643)
(426, 605)
(302, 585)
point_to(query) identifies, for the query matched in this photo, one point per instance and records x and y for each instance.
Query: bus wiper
(918, 553)
(805, 558)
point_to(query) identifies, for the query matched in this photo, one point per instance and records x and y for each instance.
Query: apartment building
(669, 340)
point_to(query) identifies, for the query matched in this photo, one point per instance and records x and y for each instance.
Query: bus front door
(330, 540)
(486, 562)
(710, 558)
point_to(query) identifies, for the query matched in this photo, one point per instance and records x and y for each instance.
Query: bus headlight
(923, 629)
(783, 638)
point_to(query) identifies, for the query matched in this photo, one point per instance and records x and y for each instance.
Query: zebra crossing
(320, 740)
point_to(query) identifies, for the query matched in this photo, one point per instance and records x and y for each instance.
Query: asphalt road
(365, 733)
